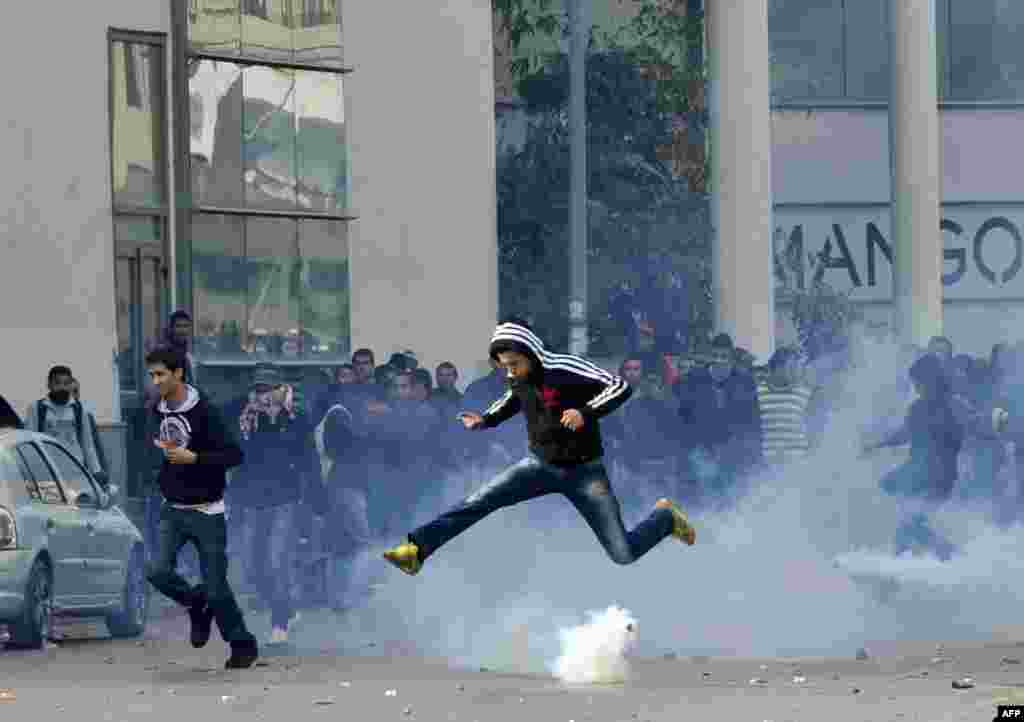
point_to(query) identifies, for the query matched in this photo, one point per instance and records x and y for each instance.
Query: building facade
(304, 177)
(820, 147)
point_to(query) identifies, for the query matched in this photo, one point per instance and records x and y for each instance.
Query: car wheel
(34, 626)
(130, 619)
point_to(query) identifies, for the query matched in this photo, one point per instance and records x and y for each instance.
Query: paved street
(163, 678)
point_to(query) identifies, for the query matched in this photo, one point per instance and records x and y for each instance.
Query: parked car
(66, 547)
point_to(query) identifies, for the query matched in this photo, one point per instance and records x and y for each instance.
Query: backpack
(41, 410)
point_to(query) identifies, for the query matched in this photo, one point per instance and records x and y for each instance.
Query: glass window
(215, 122)
(267, 30)
(321, 152)
(275, 277)
(137, 118)
(15, 474)
(867, 50)
(73, 477)
(806, 39)
(140, 281)
(986, 58)
(270, 287)
(323, 246)
(317, 33)
(220, 283)
(214, 26)
(49, 490)
(268, 137)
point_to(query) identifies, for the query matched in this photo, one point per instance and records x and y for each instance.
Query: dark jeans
(208, 532)
(270, 537)
(585, 485)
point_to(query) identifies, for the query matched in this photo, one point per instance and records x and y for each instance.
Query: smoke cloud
(771, 576)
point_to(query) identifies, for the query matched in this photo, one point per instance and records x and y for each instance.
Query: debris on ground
(1009, 660)
(324, 702)
(407, 711)
(391, 693)
(460, 688)
(758, 682)
(7, 695)
(798, 679)
(856, 690)
(965, 683)
(227, 699)
(344, 684)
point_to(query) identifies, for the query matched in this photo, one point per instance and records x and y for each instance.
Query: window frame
(182, 55)
(49, 466)
(93, 486)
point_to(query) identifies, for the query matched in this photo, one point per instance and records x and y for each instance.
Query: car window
(49, 490)
(73, 477)
(14, 472)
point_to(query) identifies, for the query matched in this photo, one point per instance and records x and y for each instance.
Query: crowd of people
(375, 449)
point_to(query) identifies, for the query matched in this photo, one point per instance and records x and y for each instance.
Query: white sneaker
(278, 636)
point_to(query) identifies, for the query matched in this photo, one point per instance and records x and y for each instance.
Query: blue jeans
(208, 532)
(188, 558)
(585, 485)
(269, 540)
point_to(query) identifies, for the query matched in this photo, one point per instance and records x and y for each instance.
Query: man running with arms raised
(562, 397)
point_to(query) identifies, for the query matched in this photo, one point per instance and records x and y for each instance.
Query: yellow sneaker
(405, 556)
(682, 529)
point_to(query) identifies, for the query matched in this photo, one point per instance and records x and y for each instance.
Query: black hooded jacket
(559, 382)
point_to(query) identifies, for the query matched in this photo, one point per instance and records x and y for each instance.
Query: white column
(741, 202)
(916, 180)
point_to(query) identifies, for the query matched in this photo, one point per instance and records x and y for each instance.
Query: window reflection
(267, 30)
(215, 95)
(268, 137)
(986, 60)
(219, 285)
(318, 33)
(270, 287)
(137, 123)
(867, 50)
(322, 150)
(806, 48)
(140, 289)
(274, 293)
(214, 26)
(323, 246)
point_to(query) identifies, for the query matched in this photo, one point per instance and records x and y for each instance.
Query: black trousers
(208, 532)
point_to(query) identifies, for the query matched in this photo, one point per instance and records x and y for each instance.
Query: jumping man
(562, 397)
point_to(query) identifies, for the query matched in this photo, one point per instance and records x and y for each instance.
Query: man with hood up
(562, 397)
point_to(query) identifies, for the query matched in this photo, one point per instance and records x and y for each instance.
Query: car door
(104, 559)
(66, 535)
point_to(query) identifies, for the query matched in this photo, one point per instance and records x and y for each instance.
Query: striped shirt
(784, 421)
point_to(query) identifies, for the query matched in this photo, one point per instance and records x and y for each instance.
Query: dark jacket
(721, 417)
(936, 436)
(560, 382)
(199, 427)
(279, 455)
(479, 395)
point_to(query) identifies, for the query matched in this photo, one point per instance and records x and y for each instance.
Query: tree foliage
(642, 218)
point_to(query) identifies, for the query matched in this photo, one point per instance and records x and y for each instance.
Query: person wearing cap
(276, 438)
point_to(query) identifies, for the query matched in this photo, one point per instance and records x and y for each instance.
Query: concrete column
(741, 201)
(916, 173)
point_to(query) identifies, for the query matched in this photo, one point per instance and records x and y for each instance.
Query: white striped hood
(522, 339)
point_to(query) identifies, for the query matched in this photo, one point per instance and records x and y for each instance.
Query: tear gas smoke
(765, 578)
(597, 652)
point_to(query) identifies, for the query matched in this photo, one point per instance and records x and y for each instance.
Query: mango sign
(983, 251)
